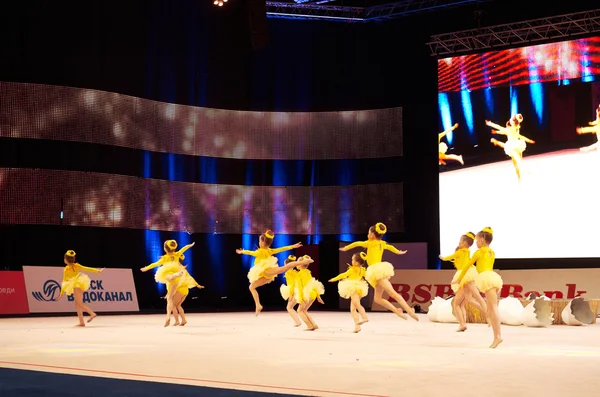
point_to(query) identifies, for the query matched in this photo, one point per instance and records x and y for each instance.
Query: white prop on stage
(510, 311)
(559, 185)
(440, 311)
(538, 313)
(577, 312)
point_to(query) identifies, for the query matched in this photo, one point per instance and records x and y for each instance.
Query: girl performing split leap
(265, 266)
(465, 290)
(75, 283)
(169, 271)
(307, 289)
(287, 291)
(443, 148)
(353, 286)
(488, 281)
(379, 273)
(515, 143)
(594, 128)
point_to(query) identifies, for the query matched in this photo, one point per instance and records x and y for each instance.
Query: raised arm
(88, 269)
(340, 276)
(395, 250)
(495, 126)
(185, 248)
(588, 130)
(524, 138)
(356, 244)
(449, 257)
(443, 134)
(246, 252)
(274, 251)
(473, 260)
(153, 265)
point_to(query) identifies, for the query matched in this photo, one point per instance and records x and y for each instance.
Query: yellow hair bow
(292, 257)
(363, 255)
(171, 244)
(70, 253)
(487, 230)
(470, 235)
(380, 228)
(306, 257)
(269, 234)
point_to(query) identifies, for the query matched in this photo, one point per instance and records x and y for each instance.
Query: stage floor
(551, 213)
(390, 357)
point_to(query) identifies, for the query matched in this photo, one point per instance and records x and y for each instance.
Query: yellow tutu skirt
(166, 270)
(514, 145)
(442, 148)
(489, 280)
(379, 271)
(347, 288)
(285, 292)
(81, 281)
(184, 283)
(311, 290)
(260, 266)
(471, 275)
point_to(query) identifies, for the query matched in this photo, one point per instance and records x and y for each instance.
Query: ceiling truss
(322, 11)
(514, 34)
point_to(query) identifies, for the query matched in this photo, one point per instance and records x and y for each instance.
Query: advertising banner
(13, 296)
(420, 287)
(113, 290)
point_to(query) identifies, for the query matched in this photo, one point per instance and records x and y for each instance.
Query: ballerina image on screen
(443, 148)
(515, 143)
(594, 128)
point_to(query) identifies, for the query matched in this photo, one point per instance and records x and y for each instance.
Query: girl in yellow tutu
(443, 148)
(182, 289)
(307, 289)
(354, 287)
(287, 291)
(379, 273)
(594, 128)
(465, 290)
(265, 266)
(515, 143)
(169, 271)
(488, 281)
(75, 283)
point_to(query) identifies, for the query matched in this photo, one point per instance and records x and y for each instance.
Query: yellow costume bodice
(461, 258)
(174, 257)
(290, 278)
(483, 259)
(74, 269)
(375, 249)
(353, 273)
(266, 253)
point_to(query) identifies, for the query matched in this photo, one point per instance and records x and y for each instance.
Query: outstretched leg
(454, 157)
(378, 298)
(387, 287)
(457, 304)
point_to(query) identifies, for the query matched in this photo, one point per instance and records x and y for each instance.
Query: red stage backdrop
(13, 295)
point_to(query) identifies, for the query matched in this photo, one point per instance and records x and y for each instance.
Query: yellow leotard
(483, 259)
(175, 256)
(353, 273)
(74, 269)
(73, 278)
(461, 258)
(266, 253)
(375, 249)
(290, 279)
(306, 287)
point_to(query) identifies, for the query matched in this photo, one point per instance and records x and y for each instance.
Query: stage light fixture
(219, 2)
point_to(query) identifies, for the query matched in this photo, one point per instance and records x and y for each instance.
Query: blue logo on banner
(50, 292)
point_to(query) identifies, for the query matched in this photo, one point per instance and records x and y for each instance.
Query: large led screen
(517, 149)
(53, 197)
(83, 115)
